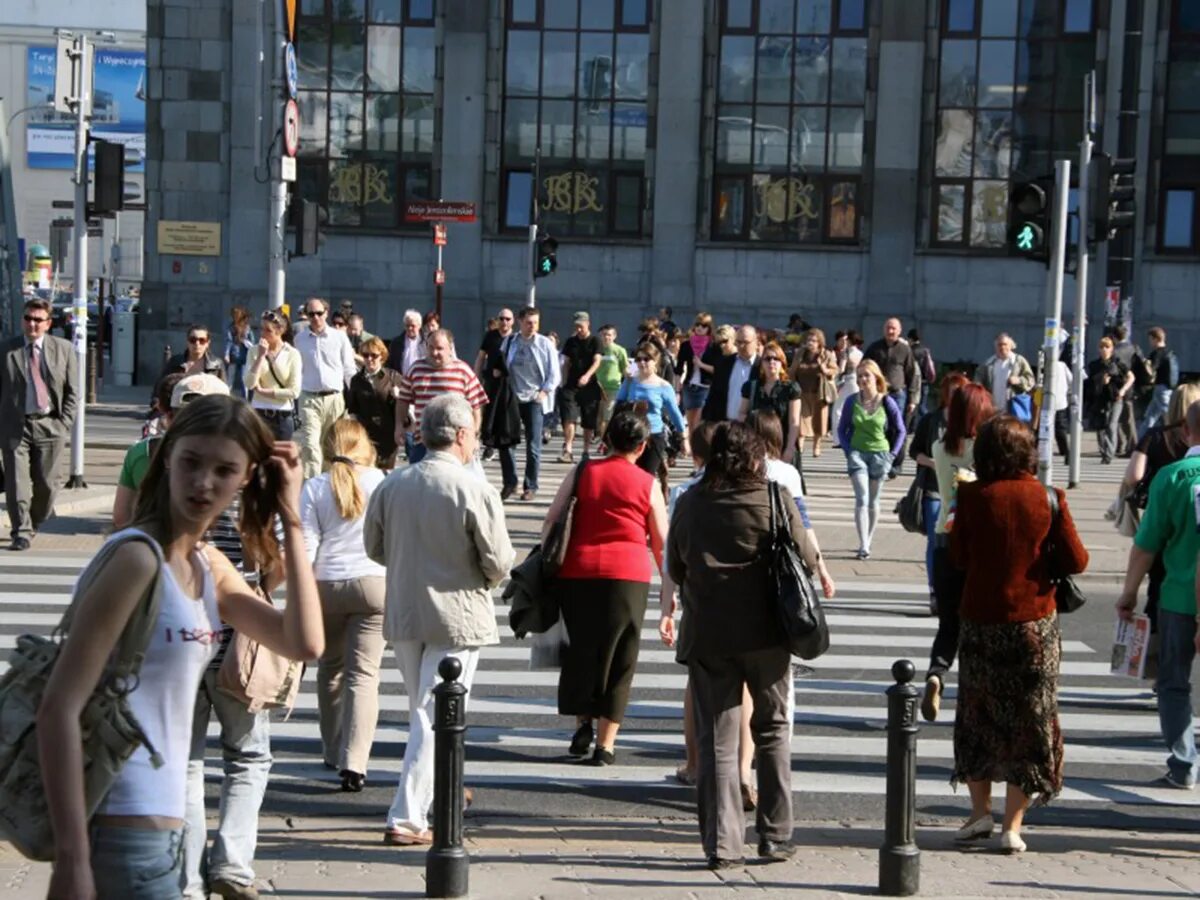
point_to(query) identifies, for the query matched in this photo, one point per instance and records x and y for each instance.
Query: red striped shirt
(424, 382)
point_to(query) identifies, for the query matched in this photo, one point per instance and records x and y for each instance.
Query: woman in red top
(1006, 719)
(605, 581)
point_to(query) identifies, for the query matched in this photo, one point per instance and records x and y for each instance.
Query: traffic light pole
(277, 241)
(1054, 293)
(1081, 278)
(82, 102)
(530, 273)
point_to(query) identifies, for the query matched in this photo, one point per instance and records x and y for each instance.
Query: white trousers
(418, 664)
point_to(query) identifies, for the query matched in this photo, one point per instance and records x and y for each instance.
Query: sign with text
(438, 211)
(118, 107)
(180, 238)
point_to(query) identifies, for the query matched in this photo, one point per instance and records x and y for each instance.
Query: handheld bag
(1067, 596)
(910, 509)
(796, 601)
(257, 676)
(111, 733)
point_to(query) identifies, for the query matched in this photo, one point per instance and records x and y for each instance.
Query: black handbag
(911, 509)
(1067, 596)
(796, 601)
(554, 548)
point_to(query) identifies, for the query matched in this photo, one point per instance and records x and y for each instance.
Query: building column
(891, 280)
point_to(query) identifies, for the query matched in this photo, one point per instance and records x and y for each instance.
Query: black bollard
(899, 857)
(447, 864)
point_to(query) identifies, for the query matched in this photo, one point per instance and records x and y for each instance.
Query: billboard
(118, 107)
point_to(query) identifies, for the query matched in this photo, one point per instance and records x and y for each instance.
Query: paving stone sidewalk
(641, 859)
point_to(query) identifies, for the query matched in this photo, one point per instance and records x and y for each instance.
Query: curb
(84, 505)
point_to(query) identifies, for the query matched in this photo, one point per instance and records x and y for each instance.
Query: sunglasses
(197, 340)
(36, 319)
(644, 358)
(506, 318)
(370, 356)
(272, 317)
(775, 359)
(314, 312)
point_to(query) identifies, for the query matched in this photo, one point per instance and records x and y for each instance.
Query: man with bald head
(729, 374)
(898, 362)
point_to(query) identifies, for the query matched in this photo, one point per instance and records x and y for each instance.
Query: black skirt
(604, 625)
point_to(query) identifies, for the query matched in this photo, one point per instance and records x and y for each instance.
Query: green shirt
(136, 464)
(1169, 526)
(870, 429)
(613, 366)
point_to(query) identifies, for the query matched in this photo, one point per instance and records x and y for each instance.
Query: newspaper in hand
(1131, 641)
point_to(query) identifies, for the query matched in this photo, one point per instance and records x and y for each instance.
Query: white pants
(418, 664)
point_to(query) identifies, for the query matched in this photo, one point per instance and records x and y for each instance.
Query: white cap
(200, 385)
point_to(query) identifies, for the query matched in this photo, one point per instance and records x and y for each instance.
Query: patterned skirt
(1006, 718)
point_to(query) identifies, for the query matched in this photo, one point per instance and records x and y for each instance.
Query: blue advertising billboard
(118, 107)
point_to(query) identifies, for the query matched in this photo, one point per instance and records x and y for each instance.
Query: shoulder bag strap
(1052, 497)
(270, 365)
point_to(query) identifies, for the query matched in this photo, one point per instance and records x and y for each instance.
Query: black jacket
(718, 392)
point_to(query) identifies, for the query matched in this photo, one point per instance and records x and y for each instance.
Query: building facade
(845, 159)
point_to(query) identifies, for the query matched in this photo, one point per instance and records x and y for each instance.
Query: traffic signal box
(1029, 228)
(547, 257)
(109, 191)
(1113, 201)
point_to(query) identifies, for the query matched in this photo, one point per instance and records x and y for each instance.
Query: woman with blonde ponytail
(351, 588)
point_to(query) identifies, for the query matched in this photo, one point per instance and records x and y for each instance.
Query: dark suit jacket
(59, 357)
(718, 391)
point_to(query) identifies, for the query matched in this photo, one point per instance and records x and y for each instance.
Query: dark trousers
(948, 585)
(1108, 438)
(1127, 427)
(281, 422)
(716, 684)
(1062, 431)
(531, 424)
(654, 457)
(32, 476)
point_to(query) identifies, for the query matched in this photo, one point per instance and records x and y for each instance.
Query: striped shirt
(424, 382)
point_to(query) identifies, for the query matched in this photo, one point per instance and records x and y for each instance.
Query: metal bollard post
(92, 374)
(447, 864)
(899, 857)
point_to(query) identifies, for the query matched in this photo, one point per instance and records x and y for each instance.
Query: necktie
(40, 393)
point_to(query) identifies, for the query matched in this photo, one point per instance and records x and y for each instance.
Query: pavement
(573, 836)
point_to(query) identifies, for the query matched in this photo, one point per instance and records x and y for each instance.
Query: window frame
(1054, 112)
(1179, 172)
(615, 169)
(826, 177)
(397, 161)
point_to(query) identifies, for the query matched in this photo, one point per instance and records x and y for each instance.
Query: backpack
(928, 369)
(109, 729)
(1143, 370)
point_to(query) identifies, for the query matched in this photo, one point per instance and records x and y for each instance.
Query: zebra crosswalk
(516, 740)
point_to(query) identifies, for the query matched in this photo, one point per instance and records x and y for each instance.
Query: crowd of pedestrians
(221, 508)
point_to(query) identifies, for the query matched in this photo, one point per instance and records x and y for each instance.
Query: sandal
(686, 776)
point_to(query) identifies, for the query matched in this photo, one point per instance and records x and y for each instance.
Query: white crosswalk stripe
(516, 738)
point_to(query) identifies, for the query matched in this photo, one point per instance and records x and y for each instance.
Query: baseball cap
(581, 317)
(194, 386)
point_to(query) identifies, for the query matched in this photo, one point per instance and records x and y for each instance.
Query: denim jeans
(246, 749)
(867, 471)
(414, 451)
(136, 863)
(948, 584)
(1176, 650)
(531, 423)
(930, 508)
(1160, 399)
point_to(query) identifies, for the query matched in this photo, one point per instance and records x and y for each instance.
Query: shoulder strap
(575, 480)
(274, 374)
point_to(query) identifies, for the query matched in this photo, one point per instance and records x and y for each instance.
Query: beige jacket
(439, 529)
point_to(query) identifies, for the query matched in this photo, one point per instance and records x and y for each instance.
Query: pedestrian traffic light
(1113, 198)
(1029, 220)
(547, 257)
(109, 192)
(308, 228)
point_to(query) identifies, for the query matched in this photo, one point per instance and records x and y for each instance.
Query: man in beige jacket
(439, 529)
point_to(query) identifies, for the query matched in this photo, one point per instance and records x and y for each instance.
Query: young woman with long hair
(216, 447)
(352, 589)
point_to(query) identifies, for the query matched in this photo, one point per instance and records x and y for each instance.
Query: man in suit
(729, 374)
(37, 407)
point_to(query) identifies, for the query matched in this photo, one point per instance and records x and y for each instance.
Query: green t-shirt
(870, 429)
(613, 364)
(136, 464)
(1171, 526)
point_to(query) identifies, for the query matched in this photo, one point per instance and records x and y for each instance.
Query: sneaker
(232, 890)
(931, 702)
(566, 457)
(979, 828)
(1010, 842)
(775, 851)
(1182, 783)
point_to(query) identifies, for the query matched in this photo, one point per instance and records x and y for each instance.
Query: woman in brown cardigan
(1006, 719)
(813, 367)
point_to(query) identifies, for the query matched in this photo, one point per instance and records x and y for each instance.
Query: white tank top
(164, 701)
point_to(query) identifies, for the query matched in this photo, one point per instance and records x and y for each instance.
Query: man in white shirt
(743, 370)
(407, 347)
(327, 367)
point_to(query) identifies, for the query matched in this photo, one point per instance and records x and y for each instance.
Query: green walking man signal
(547, 257)
(1027, 238)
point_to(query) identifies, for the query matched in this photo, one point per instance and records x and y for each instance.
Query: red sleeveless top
(611, 529)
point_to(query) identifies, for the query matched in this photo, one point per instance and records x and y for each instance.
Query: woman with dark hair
(197, 357)
(771, 388)
(605, 582)
(239, 341)
(719, 551)
(430, 323)
(273, 374)
(215, 448)
(929, 429)
(694, 366)
(847, 350)
(1006, 719)
(659, 396)
(954, 464)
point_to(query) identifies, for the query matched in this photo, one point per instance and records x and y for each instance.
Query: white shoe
(979, 828)
(1010, 842)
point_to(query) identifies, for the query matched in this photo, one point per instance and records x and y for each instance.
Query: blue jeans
(930, 508)
(531, 423)
(1176, 650)
(246, 749)
(136, 863)
(414, 451)
(1159, 401)
(867, 471)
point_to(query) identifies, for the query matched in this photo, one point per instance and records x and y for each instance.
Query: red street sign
(439, 234)
(439, 276)
(291, 128)
(438, 210)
